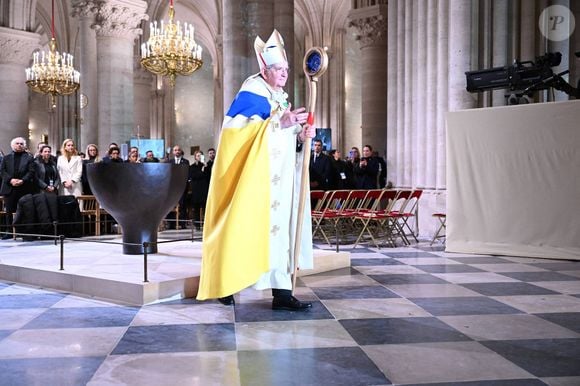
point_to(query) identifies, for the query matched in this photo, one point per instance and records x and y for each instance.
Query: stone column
(16, 49)
(168, 119)
(218, 96)
(55, 136)
(459, 54)
(500, 44)
(330, 110)
(283, 17)
(87, 66)
(400, 154)
(258, 19)
(431, 97)
(406, 180)
(442, 89)
(420, 97)
(142, 85)
(244, 20)
(236, 59)
(562, 46)
(528, 23)
(484, 20)
(392, 89)
(156, 112)
(575, 46)
(514, 30)
(117, 26)
(541, 47)
(371, 23)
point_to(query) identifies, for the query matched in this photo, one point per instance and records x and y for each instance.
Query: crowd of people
(329, 171)
(64, 173)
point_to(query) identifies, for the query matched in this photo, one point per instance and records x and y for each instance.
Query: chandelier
(52, 72)
(171, 49)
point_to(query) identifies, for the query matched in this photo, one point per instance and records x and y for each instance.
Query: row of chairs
(378, 215)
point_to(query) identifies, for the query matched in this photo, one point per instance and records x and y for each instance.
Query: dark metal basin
(138, 196)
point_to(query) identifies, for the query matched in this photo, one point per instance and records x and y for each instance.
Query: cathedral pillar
(371, 24)
(527, 40)
(142, 87)
(420, 85)
(431, 143)
(117, 27)
(16, 49)
(87, 66)
(442, 95)
(168, 117)
(243, 21)
(156, 112)
(235, 57)
(459, 54)
(500, 44)
(162, 112)
(392, 90)
(560, 42)
(283, 17)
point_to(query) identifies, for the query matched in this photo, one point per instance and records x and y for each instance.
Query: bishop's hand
(292, 117)
(307, 132)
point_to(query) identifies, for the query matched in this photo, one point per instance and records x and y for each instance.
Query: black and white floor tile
(403, 316)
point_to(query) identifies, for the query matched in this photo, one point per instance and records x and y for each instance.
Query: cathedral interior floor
(402, 316)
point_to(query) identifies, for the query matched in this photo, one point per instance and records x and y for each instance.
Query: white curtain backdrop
(513, 180)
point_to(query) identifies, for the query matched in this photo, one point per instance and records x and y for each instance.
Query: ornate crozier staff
(315, 63)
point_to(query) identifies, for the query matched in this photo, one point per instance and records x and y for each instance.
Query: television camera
(522, 79)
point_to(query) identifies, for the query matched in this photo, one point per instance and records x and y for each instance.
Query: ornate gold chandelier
(171, 49)
(52, 72)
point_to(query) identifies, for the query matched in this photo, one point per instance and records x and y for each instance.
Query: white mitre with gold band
(270, 52)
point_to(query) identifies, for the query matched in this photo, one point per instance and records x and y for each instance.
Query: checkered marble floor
(403, 316)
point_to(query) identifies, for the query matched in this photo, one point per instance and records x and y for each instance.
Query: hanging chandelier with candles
(52, 72)
(171, 49)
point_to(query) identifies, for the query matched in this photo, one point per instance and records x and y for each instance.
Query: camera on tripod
(522, 79)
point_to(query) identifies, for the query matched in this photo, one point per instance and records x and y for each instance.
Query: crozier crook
(315, 64)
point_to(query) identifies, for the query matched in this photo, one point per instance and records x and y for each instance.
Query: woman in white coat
(70, 169)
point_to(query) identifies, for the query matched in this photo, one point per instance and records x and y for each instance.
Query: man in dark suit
(17, 171)
(320, 168)
(209, 163)
(178, 159)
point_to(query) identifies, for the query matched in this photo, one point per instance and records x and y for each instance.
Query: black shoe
(290, 304)
(227, 300)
